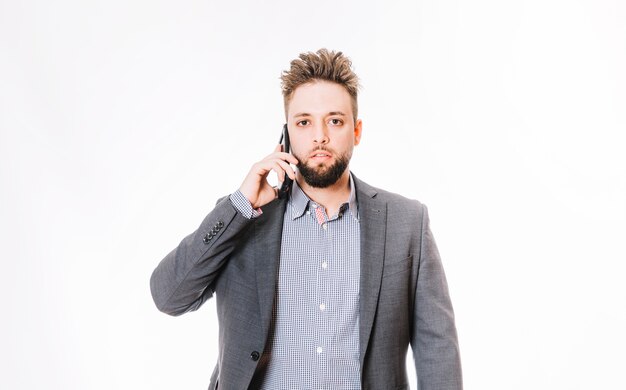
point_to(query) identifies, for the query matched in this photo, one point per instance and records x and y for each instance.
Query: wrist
(243, 205)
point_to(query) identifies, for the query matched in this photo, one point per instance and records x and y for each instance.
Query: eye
(336, 121)
(303, 122)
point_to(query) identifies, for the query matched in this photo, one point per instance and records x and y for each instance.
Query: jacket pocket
(393, 267)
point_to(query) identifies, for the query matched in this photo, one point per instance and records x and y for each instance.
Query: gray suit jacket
(403, 291)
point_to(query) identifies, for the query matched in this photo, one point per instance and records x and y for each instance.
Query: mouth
(320, 155)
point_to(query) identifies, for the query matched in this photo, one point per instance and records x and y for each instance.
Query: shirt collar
(299, 201)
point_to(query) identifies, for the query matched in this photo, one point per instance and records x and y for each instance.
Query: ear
(358, 126)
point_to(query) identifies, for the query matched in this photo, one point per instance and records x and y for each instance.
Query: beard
(321, 176)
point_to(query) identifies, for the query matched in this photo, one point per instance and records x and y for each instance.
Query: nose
(320, 135)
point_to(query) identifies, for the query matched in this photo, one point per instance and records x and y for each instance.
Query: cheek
(349, 141)
(296, 143)
(298, 152)
(297, 146)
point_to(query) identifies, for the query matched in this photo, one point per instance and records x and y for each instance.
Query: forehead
(320, 97)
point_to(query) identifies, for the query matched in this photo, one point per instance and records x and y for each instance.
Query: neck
(331, 197)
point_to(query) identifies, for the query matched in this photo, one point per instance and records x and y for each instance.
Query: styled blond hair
(323, 65)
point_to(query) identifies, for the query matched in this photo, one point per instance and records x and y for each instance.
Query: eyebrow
(330, 113)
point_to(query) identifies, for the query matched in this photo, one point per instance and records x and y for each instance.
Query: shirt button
(324, 226)
(324, 264)
(322, 306)
(308, 213)
(319, 350)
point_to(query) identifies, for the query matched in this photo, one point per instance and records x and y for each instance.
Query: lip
(319, 159)
(320, 154)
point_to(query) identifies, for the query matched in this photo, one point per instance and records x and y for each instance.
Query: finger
(287, 169)
(290, 158)
(284, 156)
(269, 163)
(262, 168)
(278, 148)
(280, 171)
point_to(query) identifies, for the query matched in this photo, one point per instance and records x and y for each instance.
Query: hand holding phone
(255, 186)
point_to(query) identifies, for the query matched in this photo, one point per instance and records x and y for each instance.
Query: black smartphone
(284, 189)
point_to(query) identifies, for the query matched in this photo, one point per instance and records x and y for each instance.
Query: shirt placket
(322, 306)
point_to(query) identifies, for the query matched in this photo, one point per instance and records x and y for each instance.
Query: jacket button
(254, 356)
(220, 224)
(207, 238)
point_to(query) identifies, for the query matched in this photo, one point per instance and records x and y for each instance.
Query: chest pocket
(395, 266)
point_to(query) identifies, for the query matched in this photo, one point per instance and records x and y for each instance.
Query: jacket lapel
(269, 229)
(373, 217)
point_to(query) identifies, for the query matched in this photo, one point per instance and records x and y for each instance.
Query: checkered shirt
(314, 339)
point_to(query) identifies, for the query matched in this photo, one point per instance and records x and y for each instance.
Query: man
(327, 288)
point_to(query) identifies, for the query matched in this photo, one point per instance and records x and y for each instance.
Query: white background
(122, 122)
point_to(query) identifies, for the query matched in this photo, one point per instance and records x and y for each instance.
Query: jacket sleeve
(434, 337)
(184, 279)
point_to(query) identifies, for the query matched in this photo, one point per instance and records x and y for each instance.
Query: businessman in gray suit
(327, 286)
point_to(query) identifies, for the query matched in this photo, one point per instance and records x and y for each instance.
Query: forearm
(183, 279)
